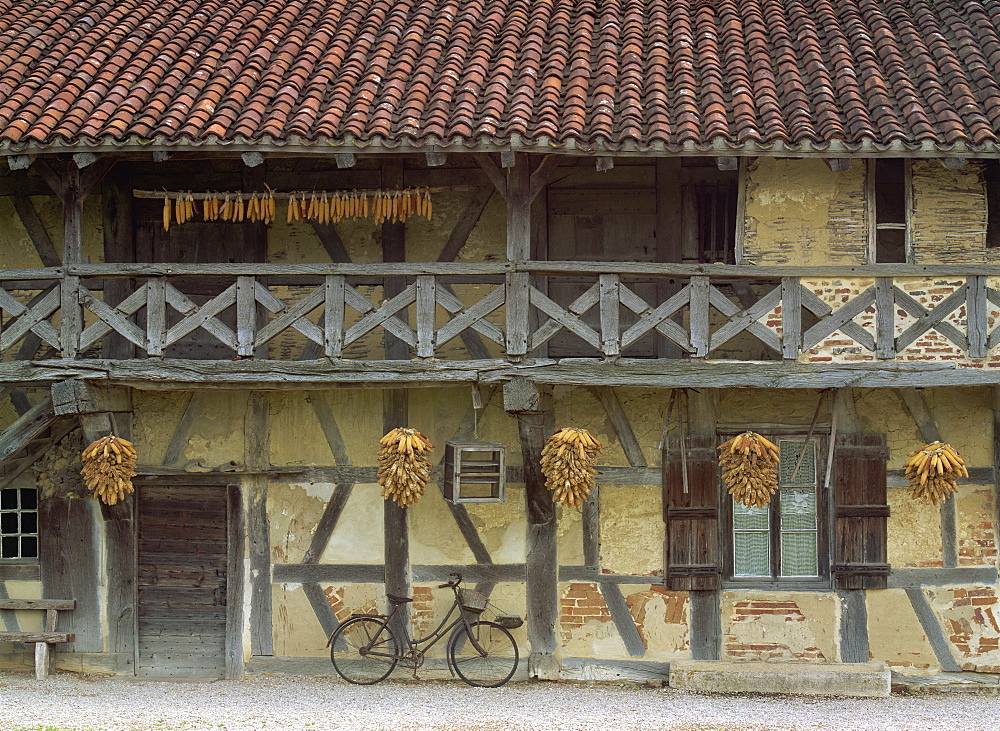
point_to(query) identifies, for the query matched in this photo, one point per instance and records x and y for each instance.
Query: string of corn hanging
(933, 472)
(108, 468)
(568, 460)
(403, 470)
(750, 468)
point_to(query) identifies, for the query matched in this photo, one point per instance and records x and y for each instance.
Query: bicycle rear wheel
(492, 667)
(364, 650)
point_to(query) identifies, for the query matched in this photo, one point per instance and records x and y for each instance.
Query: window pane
(789, 458)
(798, 508)
(890, 246)
(752, 554)
(29, 522)
(799, 554)
(8, 547)
(8, 523)
(29, 547)
(29, 498)
(8, 499)
(890, 191)
(745, 518)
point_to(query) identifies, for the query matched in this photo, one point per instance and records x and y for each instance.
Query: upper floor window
(18, 523)
(889, 206)
(991, 175)
(782, 542)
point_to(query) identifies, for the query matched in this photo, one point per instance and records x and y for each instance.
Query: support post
(119, 246)
(70, 311)
(395, 411)
(524, 402)
(518, 249)
(706, 609)
(257, 456)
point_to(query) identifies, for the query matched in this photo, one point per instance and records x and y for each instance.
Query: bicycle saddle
(397, 599)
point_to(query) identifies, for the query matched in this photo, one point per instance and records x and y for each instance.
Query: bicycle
(364, 649)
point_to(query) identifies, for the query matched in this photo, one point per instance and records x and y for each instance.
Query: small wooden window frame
(874, 226)
(19, 510)
(457, 470)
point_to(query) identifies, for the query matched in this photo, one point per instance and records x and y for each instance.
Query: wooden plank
(517, 298)
(203, 316)
(293, 316)
(39, 604)
(194, 408)
(931, 319)
(591, 527)
(474, 317)
(885, 328)
(113, 320)
(398, 332)
(747, 320)
(235, 581)
(342, 491)
(246, 316)
(332, 242)
(977, 316)
(791, 318)
(156, 316)
(906, 578)
(426, 310)
(705, 622)
(569, 318)
(257, 455)
(27, 427)
(333, 315)
(700, 323)
(853, 626)
(17, 572)
(69, 566)
(620, 423)
(610, 309)
(932, 630)
(465, 223)
(36, 231)
(492, 172)
(842, 319)
(301, 573)
(41, 637)
(622, 617)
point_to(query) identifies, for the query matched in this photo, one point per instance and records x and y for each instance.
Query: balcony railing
(502, 310)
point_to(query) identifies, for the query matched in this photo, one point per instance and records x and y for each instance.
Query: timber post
(706, 609)
(395, 411)
(524, 401)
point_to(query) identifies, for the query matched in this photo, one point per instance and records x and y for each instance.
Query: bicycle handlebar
(452, 584)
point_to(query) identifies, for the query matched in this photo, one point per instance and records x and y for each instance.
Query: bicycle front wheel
(489, 668)
(364, 650)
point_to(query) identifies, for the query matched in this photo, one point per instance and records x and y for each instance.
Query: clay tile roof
(588, 75)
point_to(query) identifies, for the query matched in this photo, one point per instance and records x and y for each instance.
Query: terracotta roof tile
(600, 75)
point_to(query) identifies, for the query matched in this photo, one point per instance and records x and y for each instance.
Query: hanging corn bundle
(750, 468)
(403, 470)
(568, 460)
(108, 468)
(933, 472)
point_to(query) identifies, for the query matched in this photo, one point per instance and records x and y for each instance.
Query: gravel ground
(80, 702)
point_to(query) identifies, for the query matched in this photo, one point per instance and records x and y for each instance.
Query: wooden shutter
(861, 513)
(691, 549)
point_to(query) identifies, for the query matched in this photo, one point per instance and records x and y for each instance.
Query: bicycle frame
(430, 640)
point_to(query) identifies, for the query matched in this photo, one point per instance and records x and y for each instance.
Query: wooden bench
(42, 640)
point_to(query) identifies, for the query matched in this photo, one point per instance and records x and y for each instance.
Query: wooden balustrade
(712, 311)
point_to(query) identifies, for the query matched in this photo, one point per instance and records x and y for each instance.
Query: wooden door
(182, 581)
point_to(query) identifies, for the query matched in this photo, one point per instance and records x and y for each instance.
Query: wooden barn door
(181, 611)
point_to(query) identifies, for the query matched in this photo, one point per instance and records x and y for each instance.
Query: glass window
(888, 179)
(18, 523)
(781, 541)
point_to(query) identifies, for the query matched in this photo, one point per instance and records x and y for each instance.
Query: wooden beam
(257, 456)
(542, 174)
(193, 409)
(932, 630)
(728, 163)
(542, 569)
(838, 164)
(235, 579)
(36, 231)
(18, 435)
(620, 423)
(492, 172)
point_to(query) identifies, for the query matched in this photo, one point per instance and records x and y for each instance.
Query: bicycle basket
(472, 601)
(508, 621)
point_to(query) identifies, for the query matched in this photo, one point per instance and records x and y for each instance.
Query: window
(889, 202)
(782, 542)
(991, 175)
(18, 523)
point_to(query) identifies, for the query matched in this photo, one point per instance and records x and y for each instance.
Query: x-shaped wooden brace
(32, 317)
